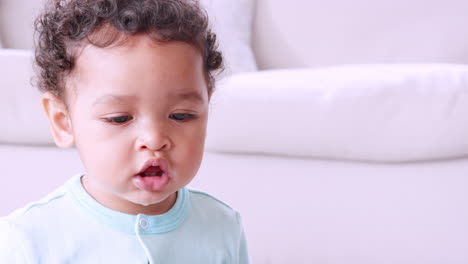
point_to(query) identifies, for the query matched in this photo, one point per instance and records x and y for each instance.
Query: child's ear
(59, 120)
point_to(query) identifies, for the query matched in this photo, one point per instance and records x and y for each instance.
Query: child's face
(131, 104)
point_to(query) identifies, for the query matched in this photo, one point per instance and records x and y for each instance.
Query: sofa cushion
(232, 21)
(384, 113)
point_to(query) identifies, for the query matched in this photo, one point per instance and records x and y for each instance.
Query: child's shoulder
(212, 206)
(209, 198)
(28, 224)
(42, 209)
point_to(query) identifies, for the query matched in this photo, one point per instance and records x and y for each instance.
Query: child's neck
(124, 206)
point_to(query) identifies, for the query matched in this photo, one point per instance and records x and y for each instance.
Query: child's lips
(152, 171)
(159, 162)
(151, 183)
(153, 176)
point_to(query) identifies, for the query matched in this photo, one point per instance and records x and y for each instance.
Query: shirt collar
(141, 223)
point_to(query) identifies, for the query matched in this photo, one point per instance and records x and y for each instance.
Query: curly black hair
(66, 25)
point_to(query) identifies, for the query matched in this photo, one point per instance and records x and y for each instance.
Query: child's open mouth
(152, 171)
(154, 175)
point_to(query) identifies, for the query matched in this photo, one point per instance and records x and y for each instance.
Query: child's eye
(182, 116)
(118, 119)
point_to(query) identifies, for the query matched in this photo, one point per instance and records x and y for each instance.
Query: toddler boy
(128, 83)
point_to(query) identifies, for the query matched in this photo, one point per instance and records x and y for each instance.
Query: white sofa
(358, 157)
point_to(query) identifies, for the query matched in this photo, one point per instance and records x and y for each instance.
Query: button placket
(142, 224)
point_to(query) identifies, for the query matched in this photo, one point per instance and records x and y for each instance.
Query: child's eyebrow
(190, 96)
(108, 98)
(114, 98)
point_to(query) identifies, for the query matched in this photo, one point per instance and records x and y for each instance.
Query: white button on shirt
(143, 223)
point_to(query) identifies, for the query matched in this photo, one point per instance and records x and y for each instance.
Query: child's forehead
(120, 42)
(116, 74)
(140, 52)
(136, 49)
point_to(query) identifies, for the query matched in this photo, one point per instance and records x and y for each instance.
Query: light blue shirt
(69, 226)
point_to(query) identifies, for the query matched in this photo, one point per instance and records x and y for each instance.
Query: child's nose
(154, 137)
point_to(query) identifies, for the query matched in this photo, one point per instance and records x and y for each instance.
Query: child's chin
(147, 202)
